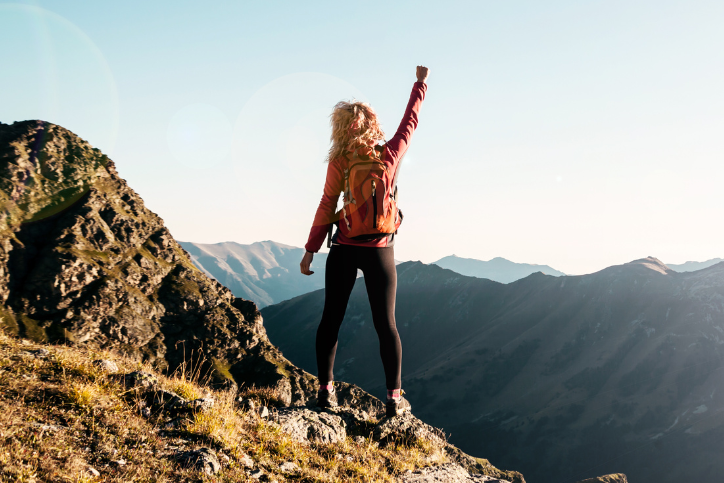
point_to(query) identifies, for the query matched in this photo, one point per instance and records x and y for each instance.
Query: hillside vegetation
(66, 414)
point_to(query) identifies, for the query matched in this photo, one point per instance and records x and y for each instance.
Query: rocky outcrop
(304, 425)
(83, 260)
(317, 426)
(408, 428)
(335, 424)
(616, 478)
(449, 473)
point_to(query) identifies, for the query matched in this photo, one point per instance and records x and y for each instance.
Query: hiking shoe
(326, 399)
(397, 407)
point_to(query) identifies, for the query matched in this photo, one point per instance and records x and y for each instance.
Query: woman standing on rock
(364, 168)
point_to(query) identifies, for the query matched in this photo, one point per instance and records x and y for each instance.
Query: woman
(356, 132)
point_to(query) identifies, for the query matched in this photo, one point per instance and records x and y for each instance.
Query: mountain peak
(652, 263)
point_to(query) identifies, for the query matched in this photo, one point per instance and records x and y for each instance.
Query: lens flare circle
(281, 139)
(54, 72)
(285, 124)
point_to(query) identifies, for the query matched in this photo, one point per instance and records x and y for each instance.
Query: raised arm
(399, 142)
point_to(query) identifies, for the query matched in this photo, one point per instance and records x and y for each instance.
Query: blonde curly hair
(353, 123)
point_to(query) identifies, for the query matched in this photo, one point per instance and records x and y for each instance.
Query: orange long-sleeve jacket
(334, 184)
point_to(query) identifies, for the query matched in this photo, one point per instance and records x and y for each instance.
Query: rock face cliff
(83, 260)
(559, 377)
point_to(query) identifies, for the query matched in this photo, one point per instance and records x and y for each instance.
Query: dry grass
(60, 416)
(183, 388)
(263, 395)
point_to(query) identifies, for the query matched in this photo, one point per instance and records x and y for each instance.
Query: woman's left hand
(306, 263)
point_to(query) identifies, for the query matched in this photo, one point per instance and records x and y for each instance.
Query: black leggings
(380, 275)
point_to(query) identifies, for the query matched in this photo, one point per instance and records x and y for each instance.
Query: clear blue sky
(570, 133)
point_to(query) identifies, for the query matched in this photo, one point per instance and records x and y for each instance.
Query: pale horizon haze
(572, 134)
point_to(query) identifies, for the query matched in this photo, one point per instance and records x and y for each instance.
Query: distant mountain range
(265, 272)
(498, 269)
(694, 266)
(559, 377)
(504, 271)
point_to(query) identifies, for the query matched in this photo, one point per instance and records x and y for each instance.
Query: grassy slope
(60, 415)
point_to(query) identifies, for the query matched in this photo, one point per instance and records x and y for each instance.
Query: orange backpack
(370, 210)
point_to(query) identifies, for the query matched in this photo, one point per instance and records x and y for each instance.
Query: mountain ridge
(692, 266)
(265, 272)
(498, 269)
(559, 368)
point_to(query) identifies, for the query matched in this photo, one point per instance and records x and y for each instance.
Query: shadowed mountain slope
(264, 272)
(619, 370)
(498, 269)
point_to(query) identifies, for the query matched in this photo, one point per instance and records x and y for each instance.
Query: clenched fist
(422, 73)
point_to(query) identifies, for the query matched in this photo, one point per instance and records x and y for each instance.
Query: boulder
(613, 478)
(48, 427)
(196, 405)
(245, 460)
(139, 380)
(256, 474)
(406, 428)
(246, 404)
(448, 473)
(41, 353)
(202, 459)
(35, 354)
(305, 425)
(161, 398)
(288, 467)
(106, 365)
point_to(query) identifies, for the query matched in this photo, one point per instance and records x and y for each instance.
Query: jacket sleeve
(333, 186)
(397, 146)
